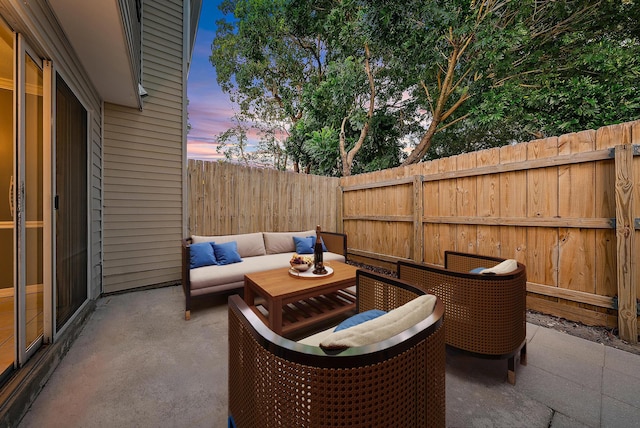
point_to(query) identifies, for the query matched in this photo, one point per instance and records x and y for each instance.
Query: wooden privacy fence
(567, 207)
(563, 206)
(227, 199)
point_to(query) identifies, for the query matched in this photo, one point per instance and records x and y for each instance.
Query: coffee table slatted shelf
(311, 311)
(287, 304)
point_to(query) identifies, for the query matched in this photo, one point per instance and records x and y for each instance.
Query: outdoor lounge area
(101, 183)
(138, 362)
(170, 372)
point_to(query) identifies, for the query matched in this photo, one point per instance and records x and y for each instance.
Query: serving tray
(308, 274)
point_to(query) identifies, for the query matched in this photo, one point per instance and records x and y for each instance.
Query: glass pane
(33, 200)
(7, 249)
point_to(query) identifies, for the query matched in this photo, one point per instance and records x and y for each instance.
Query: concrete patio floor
(138, 363)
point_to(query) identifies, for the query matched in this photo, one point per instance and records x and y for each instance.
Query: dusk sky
(210, 110)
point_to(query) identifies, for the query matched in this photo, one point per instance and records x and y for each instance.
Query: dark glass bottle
(318, 263)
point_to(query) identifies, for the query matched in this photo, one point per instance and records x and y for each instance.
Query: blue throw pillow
(227, 253)
(477, 270)
(324, 248)
(304, 245)
(201, 254)
(359, 319)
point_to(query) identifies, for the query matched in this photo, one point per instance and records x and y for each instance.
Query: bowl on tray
(300, 266)
(300, 263)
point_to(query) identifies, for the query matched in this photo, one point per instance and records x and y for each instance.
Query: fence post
(339, 209)
(418, 213)
(625, 232)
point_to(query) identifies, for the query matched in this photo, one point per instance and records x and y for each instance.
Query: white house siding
(37, 23)
(132, 34)
(143, 162)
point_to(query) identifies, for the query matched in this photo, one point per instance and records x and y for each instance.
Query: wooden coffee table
(294, 303)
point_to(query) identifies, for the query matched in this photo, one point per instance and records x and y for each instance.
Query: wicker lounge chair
(274, 381)
(486, 313)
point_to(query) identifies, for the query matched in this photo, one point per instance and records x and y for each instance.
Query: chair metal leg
(511, 375)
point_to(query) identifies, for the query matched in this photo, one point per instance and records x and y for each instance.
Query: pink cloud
(202, 150)
(210, 110)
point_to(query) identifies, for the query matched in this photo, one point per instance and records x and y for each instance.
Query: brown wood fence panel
(229, 199)
(635, 140)
(549, 203)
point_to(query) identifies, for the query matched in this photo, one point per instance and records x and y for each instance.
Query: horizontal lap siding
(144, 163)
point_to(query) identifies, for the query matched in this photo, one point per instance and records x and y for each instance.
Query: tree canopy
(361, 85)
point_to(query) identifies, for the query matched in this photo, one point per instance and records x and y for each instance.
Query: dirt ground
(606, 336)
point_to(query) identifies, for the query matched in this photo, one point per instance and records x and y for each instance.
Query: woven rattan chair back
(486, 313)
(275, 382)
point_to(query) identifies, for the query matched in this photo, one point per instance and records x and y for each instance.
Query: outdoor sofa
(394, 381)
(486, 312)
(254, 252)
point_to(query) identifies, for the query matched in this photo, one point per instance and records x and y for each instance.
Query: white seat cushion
(211, 276)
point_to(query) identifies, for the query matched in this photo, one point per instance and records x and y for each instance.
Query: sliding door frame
(25, 350)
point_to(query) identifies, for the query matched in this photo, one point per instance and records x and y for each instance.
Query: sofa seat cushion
(211, 276)
(383, 327)
(282, 242)
(249, 244)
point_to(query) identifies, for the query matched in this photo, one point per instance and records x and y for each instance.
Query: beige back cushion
(506, 266)
(282, 242)
(384, 327)
(249, 244)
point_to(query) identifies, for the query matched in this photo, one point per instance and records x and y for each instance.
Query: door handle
(11, 196)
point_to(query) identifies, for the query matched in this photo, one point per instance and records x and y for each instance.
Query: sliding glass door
(44, 225)
(29, 196)
(22, 217)
(7, 208)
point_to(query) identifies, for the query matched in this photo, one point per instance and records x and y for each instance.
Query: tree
(261, 62)
(582, 73)
(232, 143)
(504, 69)
(354, 81)
(274, 53)
(563, 75)
(271, 149)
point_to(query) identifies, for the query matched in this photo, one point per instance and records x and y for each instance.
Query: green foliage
(577, 69)
(444, 76)
(321, 147)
